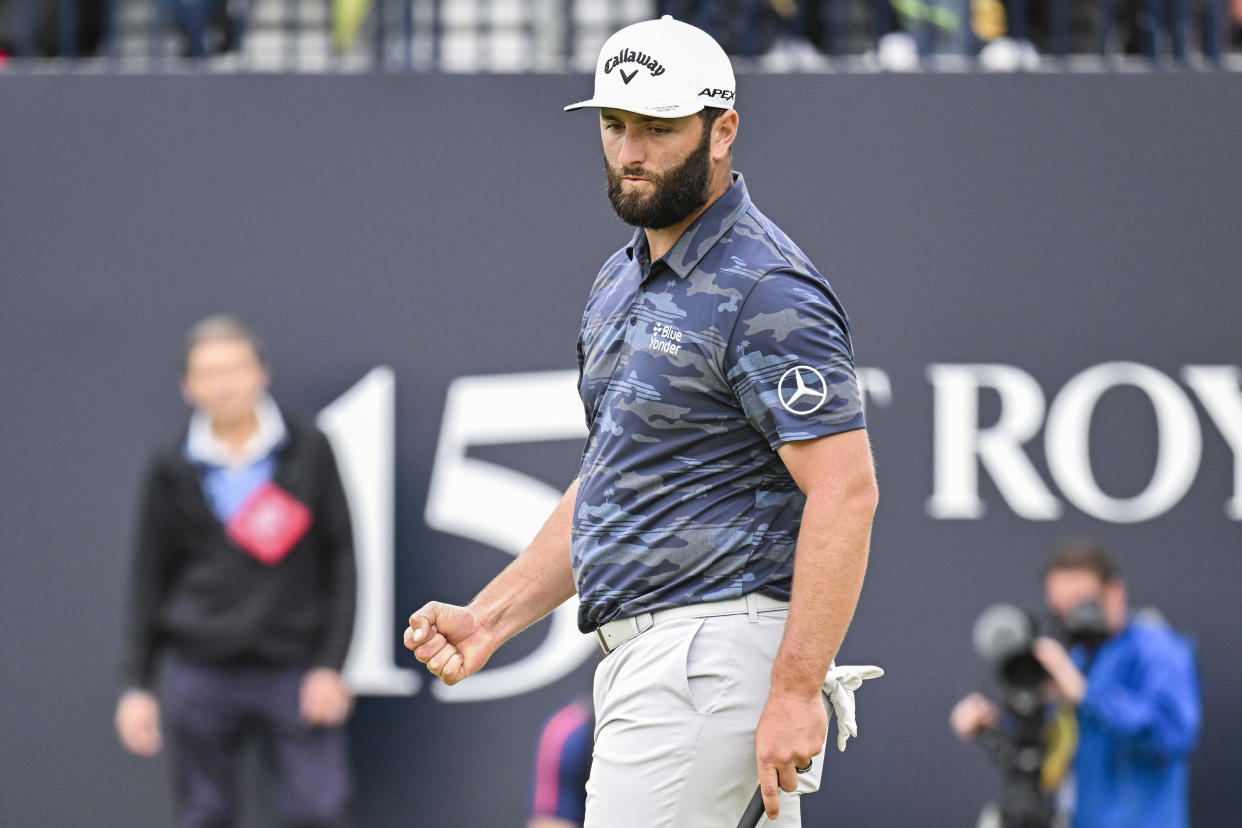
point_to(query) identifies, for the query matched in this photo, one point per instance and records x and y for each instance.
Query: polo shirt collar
(699, 237)
(202, 446)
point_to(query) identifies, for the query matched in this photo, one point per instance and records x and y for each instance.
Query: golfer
(717, 534)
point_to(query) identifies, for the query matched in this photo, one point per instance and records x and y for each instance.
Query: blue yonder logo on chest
(631, 56)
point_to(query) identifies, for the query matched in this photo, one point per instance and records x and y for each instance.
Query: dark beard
(677, 193)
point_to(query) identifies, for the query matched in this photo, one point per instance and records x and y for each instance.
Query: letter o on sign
(1179, 442)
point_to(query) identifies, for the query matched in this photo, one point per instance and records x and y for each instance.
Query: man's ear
(724, 131)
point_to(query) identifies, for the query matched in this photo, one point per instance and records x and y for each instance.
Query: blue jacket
(1137, 726)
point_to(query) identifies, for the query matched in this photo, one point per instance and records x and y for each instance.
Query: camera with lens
(1004, 637)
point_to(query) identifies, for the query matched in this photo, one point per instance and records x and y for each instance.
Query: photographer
(1134, 690)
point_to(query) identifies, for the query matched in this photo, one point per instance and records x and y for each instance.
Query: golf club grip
(754, 811)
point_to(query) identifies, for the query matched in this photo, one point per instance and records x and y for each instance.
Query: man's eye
(659, 130)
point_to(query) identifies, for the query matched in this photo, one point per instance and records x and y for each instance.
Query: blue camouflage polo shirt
(693, 369)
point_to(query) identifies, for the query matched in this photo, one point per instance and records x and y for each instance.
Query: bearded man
(718, 532)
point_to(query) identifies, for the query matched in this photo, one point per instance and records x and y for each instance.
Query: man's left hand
(325, 699)
(791, 730)
(1069, 680)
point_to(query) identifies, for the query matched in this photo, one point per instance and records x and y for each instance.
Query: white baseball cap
(662, 68)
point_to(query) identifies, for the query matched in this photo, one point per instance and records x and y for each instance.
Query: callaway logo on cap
(662, 68)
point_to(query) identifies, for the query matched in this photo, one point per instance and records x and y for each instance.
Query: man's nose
(632, 152)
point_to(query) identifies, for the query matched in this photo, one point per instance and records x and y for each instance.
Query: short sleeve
(790, 360)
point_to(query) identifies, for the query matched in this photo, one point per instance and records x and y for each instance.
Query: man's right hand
(138, 722)
(791, 731)
(452, 641)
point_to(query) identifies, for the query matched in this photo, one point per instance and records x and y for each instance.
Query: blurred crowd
(892, 35)
(902, 34)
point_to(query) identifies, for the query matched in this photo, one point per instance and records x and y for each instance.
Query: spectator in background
(210, 27)
(745, 28)
(1003, 31)
(1175, 28)
(752, 28)
(52, 28)
(562, 765)
(244, 575)
(1135, 693)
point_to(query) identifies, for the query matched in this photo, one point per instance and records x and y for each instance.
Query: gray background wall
(451, 225)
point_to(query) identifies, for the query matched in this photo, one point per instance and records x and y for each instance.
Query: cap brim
(651, 111)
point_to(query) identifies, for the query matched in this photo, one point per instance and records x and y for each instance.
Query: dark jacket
(196, 593)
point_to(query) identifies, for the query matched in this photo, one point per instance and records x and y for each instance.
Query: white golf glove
(839, 687)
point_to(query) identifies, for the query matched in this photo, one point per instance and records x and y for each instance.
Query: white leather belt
(615, 633)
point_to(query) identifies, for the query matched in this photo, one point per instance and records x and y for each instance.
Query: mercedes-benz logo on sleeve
(802, 390)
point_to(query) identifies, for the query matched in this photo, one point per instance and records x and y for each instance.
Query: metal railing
(555, 35)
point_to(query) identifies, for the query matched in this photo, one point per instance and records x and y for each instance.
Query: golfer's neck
(661, 240)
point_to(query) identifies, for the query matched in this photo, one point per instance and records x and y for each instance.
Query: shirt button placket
(638, 301)
(631, 336)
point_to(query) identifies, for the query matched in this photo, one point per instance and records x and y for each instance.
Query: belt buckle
(639, 624)
(603, 643)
